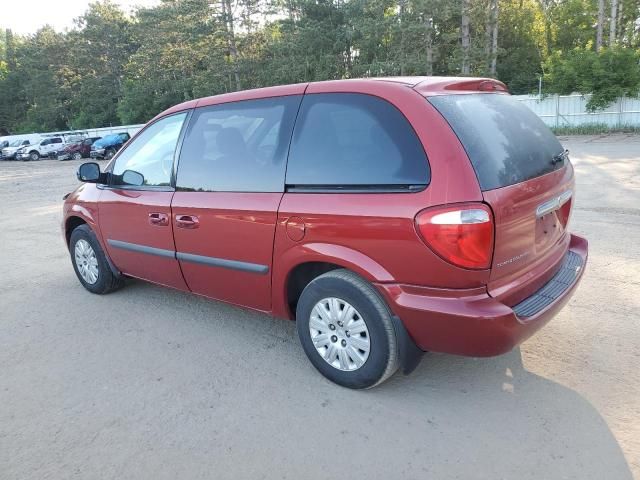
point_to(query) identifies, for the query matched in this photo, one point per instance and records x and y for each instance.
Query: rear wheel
(90, 263)
(346, 330)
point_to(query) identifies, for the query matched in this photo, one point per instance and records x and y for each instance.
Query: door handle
(159, 219)
(187, 221)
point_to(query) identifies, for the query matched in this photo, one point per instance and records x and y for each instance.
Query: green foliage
(39, 75)
(595, 129)
(572, 24)
(606, 75)
(520, 27)
(97, 55)
(177, 42)
(116, 68)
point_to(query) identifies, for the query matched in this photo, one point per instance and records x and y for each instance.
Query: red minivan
(387, 216)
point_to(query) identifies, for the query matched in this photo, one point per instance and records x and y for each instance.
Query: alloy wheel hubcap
(339, 334)
(86, 261)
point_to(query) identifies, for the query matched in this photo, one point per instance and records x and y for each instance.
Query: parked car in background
(77, 150)
(17, 142)
(107, 146)
(9, 152)
(68, 139)
(386, 216)
(9, 139)
(40, 149)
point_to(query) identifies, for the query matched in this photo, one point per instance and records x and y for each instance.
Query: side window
(354, 140)
(151, 153)
(56, 140)
(238, 147)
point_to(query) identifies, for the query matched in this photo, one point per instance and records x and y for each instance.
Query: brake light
(564, 212)
(492, 86)
(460, 234)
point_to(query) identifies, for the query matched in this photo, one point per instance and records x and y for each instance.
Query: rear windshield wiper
(559, 157)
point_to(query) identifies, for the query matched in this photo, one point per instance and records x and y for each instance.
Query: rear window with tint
(349, 141)
(506, 142)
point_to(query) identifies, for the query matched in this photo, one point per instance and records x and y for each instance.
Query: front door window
(150, 154)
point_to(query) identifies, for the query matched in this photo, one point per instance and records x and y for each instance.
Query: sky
(26, 16)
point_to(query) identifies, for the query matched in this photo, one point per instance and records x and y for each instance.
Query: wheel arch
(77, 213)
(78, 218)
(301, 264)
(409, 355)
(71, 223)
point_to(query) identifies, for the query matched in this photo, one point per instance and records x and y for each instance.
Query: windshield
(506, 142)
(16, 143)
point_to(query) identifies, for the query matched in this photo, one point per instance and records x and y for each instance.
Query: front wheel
(34, 156)
(346, 330)
(77, 156)
(90, 263)
(109, 153)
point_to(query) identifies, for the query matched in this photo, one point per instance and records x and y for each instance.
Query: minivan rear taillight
(564, 213)
(461, 234)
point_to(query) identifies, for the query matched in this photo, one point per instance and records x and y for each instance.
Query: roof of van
(424, 85)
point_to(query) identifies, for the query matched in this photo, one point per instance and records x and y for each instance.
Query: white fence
(571, 111)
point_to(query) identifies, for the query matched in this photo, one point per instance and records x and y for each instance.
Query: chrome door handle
(159, 219)
(187, 221)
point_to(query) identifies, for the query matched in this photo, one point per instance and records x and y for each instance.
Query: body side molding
(192, 258)
(223, 262)
(134, 247)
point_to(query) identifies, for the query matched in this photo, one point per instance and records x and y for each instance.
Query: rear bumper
(470, 322)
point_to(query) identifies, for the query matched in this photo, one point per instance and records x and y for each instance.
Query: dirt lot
(153, 383)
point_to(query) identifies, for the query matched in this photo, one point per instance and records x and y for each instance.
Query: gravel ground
(150, 383)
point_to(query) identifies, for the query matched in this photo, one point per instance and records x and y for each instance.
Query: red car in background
(77, 150)
(386, 216)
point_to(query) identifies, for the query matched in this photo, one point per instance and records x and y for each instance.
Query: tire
(347, 289)
(105, 281)
(34, 156)
(109, 153)
(76, 156)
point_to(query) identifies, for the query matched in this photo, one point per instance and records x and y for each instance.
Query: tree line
(116, 67)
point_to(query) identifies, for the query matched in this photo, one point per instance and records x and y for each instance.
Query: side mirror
(89, 172)
(131, 177)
